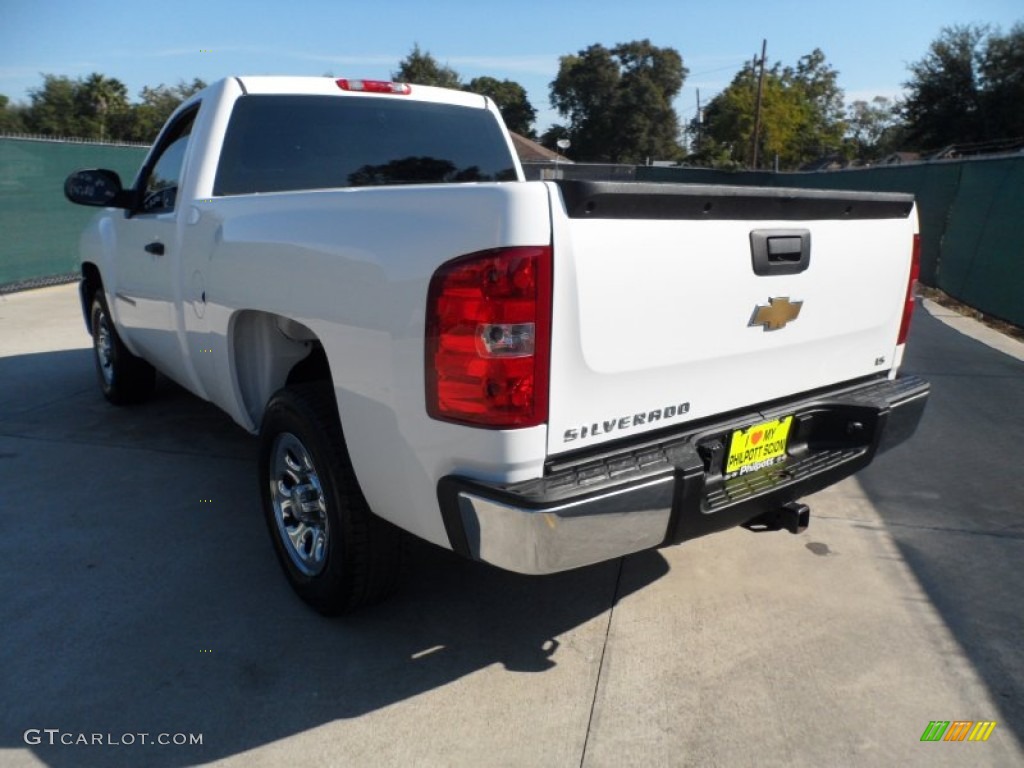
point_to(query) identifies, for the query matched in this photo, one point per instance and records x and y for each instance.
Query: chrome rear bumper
(664, 491)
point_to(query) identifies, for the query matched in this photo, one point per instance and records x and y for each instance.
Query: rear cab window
(277, 143)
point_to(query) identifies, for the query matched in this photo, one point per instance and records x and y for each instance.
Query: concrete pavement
(131, 606)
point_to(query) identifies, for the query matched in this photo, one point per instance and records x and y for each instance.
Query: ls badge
(776, 314)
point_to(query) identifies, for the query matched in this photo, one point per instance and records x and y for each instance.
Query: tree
(817, 86)
(873, 129)
(584, 92)
(156, 106)
(10, 116)
(944, 102)
(511, 99)
(97, 107)
(421, 68)
(618, 101)
(801, 115)
(86, 108)
(968, 88)
(52, 109)
(1001, 71)
(97, 99)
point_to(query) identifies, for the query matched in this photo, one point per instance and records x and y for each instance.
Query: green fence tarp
(983, 250)
(972, 244)
(970, 210)
(40, 227)
(933, 185)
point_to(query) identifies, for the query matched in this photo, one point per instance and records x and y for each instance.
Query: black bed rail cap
(653, 200)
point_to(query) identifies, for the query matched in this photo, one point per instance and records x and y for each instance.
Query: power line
(720, 69)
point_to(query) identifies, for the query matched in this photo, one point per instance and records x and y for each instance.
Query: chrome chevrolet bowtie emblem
(775, 316)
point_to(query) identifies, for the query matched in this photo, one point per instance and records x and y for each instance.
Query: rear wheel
(123, 377)
(336, 554)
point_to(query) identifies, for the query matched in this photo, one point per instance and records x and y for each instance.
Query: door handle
(780, 251)
(157, 249)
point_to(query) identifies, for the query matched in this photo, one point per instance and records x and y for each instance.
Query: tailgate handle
(780, 251)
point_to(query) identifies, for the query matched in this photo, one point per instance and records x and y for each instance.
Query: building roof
(833, 162)
(530, 151)
(900, 158)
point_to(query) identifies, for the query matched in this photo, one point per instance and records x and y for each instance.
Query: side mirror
(97, 187)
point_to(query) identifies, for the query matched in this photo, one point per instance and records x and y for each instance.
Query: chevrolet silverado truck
(538, 375)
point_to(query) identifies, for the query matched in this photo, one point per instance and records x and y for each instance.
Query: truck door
(148, 240)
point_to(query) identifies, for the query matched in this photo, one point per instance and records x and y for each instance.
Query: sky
(869, 42)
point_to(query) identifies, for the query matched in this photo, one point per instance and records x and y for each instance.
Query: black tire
(336, 554)
(123, 377)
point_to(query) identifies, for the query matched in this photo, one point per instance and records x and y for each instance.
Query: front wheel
(123, 377)
(336, 554)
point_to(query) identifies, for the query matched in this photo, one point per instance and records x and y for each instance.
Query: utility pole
(755, 139)
(700, 120)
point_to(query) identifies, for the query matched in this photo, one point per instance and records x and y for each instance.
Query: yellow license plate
(757, 447)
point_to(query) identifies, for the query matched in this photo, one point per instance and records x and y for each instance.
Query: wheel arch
(91, 283)
(270, 351)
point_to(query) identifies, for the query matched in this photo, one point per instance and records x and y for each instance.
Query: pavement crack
(142, 448)
(46, 403)
(1005, 532)
(600, 666)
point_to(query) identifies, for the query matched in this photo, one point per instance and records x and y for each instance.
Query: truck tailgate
(678, 302)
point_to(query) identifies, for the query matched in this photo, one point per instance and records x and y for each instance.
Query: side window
(160, 189)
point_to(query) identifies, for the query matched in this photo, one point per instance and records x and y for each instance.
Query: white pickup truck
(538, 375)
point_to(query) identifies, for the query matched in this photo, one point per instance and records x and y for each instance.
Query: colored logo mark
(776, 314)
(958, 730)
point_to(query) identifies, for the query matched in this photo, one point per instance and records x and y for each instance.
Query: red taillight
(374, 86)
(908, 304)
(488, 338)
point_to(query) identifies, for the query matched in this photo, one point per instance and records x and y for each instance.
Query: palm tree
(101, 96)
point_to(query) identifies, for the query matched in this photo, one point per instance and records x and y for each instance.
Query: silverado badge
(775, 316)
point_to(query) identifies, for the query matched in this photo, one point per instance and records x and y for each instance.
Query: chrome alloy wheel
(105, 348)
(300, 509)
